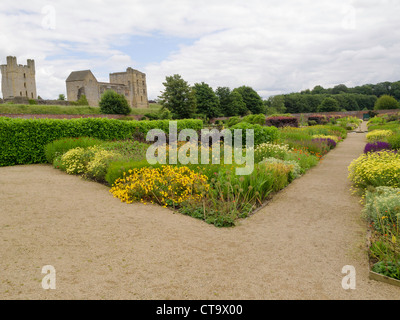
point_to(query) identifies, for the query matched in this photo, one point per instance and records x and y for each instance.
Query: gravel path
(294, 248)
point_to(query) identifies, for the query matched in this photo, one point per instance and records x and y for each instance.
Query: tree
(223, 94)
(318, 90)
(329, 105)
(113, 103)
(178, 97)
(206, 100)
(253, 101)
(275, 105)
(386, 102)
(61, 97)
(340, 88)
(237, 104)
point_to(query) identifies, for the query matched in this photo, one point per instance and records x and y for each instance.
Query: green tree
(178, 97)
(340, 88)
(206, 100)
(251, 98)
(237, 104)
(329, 105)
(61, 97)
(223, 94)
(113, 103)
(318, 90)
(386, 102)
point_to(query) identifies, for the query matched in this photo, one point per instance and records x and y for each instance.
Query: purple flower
(377, 146)
(331, 143)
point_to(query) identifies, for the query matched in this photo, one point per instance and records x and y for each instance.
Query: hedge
(280, 122)
(22, 141)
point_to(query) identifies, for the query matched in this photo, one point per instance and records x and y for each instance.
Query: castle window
(20, 93)
(143, 82)
(24, 84)
(32, 95)
(24, 76)
(141, 98)
(26, 93)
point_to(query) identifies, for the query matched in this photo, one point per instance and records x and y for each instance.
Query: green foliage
(206, 100)
(386, 102)
(261, 134)
(253, 101)
(178, 97)
(113, 103)
(61, 97)
(59, 147)
(329, 105)
(23, 140)
(32, 102)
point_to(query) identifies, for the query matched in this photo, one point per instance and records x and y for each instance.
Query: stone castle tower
(132, 84)
(18, 80)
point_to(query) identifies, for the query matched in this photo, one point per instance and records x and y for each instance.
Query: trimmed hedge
(22, 141)
(281, 122)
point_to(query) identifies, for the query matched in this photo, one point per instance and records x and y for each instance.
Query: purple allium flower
(377, 146)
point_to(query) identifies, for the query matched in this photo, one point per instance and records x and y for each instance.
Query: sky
(273, 46)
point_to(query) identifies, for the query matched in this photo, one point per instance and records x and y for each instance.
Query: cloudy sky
(274, 46)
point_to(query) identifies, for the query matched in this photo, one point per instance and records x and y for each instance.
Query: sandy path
(294, 248)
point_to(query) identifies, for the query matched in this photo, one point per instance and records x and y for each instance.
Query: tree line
(200, 100)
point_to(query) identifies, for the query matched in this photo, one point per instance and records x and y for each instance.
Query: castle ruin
(18, 80)
(131, 84)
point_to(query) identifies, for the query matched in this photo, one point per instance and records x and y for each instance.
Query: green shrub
(75, 161)
(261, 134)
(394, 141)
(386, 102)
(114, 103)
(59, 147)
(98, 164)
(23, 140)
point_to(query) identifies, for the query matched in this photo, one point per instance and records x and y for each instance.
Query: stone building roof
(78, 75)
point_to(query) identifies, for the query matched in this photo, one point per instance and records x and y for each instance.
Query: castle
(18, 83)
(18, 80)
(131, 84)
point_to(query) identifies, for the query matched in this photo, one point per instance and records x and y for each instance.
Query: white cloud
(273, 46)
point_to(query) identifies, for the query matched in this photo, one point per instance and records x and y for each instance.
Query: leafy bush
(386, 102)
(303, 158)
(261, 134)
(114, 103)
(378, 135)
(75, 161)
(280, 122)
(394, 141)
(376, 169)
(98, 164)
(61, 146)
